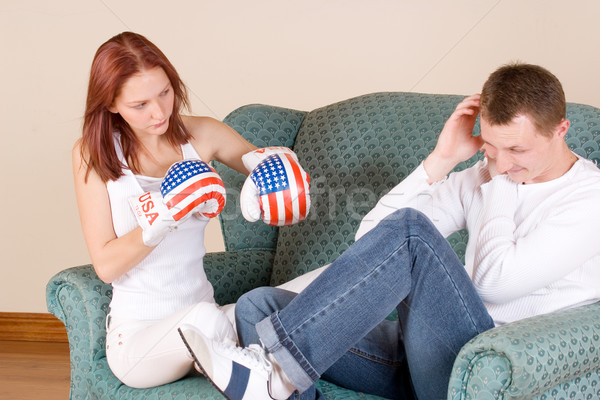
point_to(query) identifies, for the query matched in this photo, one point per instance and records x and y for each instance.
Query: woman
(132, 133)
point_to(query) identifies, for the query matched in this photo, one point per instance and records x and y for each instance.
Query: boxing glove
(277, 189)
(189, 187)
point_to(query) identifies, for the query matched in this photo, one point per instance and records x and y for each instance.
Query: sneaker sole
(199, 365)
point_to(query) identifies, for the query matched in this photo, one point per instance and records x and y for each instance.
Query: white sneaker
(239, 373)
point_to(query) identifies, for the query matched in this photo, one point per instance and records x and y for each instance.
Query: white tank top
(172, 276)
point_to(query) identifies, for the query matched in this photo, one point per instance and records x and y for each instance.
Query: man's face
(520, 151)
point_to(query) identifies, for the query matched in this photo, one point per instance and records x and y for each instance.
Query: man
(532, 250)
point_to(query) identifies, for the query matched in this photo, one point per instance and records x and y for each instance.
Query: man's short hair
(523, 89)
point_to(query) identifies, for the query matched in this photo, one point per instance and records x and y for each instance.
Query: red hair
(116, 61)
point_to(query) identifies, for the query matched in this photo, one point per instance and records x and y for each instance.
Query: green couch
(355, 151)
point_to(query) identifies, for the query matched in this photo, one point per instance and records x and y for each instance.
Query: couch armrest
(234, 273)
(80, 300)
(526, 358)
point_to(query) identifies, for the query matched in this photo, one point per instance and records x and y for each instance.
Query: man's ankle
(280, 385)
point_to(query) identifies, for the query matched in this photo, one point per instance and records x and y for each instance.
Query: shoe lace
(253, 356)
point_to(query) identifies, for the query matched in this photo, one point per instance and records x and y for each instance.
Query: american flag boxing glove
(193, 185)
(190, 186)
(277, 189)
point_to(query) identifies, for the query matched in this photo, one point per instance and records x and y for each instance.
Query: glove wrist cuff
(255, 157)
(153, 216)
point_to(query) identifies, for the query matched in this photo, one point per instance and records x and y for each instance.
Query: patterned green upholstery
(554, 356)
(355, 151)
(262, 126)
(80, 300)
(234, 273)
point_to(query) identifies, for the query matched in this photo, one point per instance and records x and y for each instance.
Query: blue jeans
(334, 328)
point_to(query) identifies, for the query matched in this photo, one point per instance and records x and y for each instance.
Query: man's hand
(456, 142)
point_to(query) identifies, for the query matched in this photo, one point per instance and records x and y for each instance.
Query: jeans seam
(458, 292)
(286, 342)
(374, 358)
(343, 295)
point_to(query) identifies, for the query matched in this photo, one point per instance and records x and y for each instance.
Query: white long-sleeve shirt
(532, 248)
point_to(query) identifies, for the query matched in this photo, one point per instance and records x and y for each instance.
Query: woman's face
(145, 101)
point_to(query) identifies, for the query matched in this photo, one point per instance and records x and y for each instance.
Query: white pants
(144, 354)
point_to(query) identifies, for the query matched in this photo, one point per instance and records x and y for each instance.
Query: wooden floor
(34, 370)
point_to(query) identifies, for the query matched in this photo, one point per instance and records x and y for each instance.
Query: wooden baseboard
(32, 327)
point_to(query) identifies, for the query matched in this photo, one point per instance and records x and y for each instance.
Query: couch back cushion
(357, 150)
(584, 133)
(262, 126)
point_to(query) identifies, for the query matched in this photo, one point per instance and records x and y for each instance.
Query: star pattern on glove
(270, 176)
(181, 171)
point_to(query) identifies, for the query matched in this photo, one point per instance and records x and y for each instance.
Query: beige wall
(301, 54)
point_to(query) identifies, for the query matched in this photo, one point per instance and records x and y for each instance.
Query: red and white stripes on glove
(277, 189)
(190, 186)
